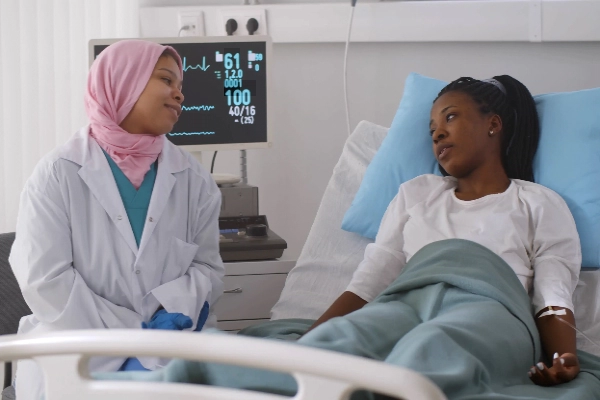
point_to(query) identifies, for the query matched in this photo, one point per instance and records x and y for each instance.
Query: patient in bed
(484, 136)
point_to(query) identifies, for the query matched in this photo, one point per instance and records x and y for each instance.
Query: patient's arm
(345, 304)
(557, 337)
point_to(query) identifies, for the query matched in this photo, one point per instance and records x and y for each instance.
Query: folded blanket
(456, 314)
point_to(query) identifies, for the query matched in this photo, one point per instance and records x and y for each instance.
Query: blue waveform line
(190, 133)
(203, 67)
(197, 108)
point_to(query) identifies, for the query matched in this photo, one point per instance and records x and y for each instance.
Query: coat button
(119, 217)
(137, 272)
(150, 219)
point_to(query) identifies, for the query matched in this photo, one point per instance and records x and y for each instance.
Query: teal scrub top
(136, 202)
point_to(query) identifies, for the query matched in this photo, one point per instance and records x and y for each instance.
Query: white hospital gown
(529, 226)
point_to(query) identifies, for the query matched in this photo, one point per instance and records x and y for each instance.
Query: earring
(491, 133)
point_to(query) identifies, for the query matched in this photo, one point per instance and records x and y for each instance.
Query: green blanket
(456, 314)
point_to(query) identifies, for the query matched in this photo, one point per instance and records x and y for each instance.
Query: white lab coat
(76, 259)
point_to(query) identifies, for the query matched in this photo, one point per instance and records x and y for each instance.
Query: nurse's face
(159, 106)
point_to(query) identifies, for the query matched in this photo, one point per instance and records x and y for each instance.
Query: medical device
(238, 200)
(245, 235)
(226, 91)
(226, 107)
(249, 238)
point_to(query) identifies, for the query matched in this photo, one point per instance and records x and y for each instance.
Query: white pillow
(330, 255)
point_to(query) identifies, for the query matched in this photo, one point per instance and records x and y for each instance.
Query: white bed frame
(320, 374)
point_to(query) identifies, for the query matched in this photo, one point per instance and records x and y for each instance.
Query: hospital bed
(323, 271)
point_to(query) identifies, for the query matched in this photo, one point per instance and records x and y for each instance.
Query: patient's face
(460, 134)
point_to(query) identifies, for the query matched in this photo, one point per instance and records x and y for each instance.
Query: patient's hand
(345, 304)
(559, 372)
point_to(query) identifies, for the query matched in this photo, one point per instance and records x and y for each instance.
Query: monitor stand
(243, 169)
(227, 179)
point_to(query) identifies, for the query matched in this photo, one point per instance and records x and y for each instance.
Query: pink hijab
(116, 80)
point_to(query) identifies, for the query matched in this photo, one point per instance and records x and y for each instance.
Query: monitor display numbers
(225, 90)
(239, 98)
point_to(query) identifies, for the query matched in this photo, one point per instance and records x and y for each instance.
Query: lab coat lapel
(160, 195)
(170, 161)
(97, 175)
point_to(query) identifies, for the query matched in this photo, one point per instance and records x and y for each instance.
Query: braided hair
(516, 109)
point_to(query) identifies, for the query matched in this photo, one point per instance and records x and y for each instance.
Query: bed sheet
(330, 255)
(453, 305)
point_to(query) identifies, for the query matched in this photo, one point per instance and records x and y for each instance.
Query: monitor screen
(225, 85)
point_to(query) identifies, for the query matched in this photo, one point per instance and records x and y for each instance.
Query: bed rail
(320, 374)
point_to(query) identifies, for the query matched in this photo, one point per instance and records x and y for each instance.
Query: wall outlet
(193, 19)
(241, 16)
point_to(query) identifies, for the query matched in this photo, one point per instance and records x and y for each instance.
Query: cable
(577, 330)
(346, 68)
(212, 164)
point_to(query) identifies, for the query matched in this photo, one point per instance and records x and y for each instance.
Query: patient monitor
(226, 107)
(226, 90)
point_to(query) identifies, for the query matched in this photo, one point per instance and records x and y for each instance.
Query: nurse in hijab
(118, 228)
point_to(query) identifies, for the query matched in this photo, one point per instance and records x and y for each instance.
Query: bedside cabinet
(251, 289)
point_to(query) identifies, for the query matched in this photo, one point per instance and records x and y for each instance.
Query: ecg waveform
(203, 67)
(190, 133)
(197, 108)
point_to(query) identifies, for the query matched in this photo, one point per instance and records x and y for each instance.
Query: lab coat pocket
(181, 255)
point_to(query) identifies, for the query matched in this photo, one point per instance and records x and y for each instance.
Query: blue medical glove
(168, 321)
(132, 364)
(203, 316)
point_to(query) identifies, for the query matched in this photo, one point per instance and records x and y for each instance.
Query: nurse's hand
(168, 321)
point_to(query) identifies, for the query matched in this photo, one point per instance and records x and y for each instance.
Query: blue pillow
(567, 160)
